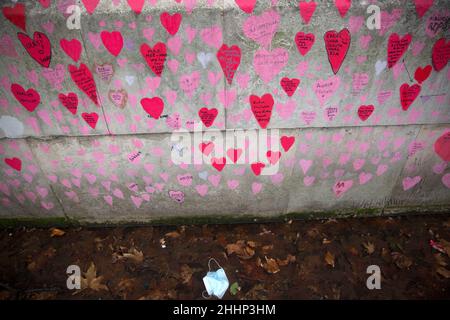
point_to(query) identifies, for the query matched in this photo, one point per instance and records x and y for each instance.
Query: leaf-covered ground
(324, 259)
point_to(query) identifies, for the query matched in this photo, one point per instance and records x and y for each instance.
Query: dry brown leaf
(242, 249)
(440, 259)
(446, 245)
(90, 279)
(132, 254)
(354, 251)
(173, 234)
(290, 258)
(267, 249)
(55, 232)
(443, 272)
(329, 258)
(370, 247)
(186, 273)
(401, 261)
(271, 265)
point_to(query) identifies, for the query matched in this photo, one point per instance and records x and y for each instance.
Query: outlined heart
(39, 48)
(337, 45)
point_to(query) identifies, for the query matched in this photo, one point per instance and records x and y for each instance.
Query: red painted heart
(153, 106)
(82, 77)
(14, 163)
(307, 10)
(262, 108)
(422, 74)
(72, 48)
(229, 60)
(155, 57)
(70, 101)
(289, 85)
(343, 6)
(337, 45)
(364, 112)
(136, 5)
(440, 54)
(16, 15)
(90, 118)
(170, 22)
(396, 48)
(218, 163)
(90, 5)
(287, 142)
(442, 146)
(30, 99)
(246, 5)
(257, 167)
(206, 147)
(208, 116)
(304, 42)
(39, 48)
(112, 41)
(408, 94)
(422, 6)
(234, 154)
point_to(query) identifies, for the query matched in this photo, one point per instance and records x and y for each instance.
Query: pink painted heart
(262, 28)
(446, 180)
(410, 182)
(212, 36)
(342, 187)
(268, 64)
(324, 89)
(189, 83)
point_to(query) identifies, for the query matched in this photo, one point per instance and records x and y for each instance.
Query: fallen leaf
(443, 272)
(440, 260)
(271, 265)
(55, 232)
(90, 279)
(370, 247)
(401, 261)
(173, 234)
(234, 288)
(242, 249)
(131, 254)
(290, 258)
(329, 258)
(186, 273)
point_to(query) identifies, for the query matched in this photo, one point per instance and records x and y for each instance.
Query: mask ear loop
(209, 270)
(209, 263)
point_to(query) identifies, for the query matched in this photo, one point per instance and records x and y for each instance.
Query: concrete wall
(370, 129)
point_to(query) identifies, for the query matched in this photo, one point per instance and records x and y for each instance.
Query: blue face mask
(216, 282)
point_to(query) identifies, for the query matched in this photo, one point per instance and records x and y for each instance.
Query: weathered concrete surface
(340, 160)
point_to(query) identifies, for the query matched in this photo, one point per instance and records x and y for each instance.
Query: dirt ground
(322, 259)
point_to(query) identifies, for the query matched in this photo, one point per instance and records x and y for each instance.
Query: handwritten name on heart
(262, 108)
(30, 98)
(90, 118)
(304, 42)
(39, 48)
(229, 60)
(118, 97)
(268, 64)
(208, 116)
(153, 106)
(440, 54)
(397, 47)
(82, 77)
(324, 89)
(105, 71)
(364, 112)
(70, 101)
(289, 85)
(408, 94)
(155, 57)
(337, 45)
(262, 28)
